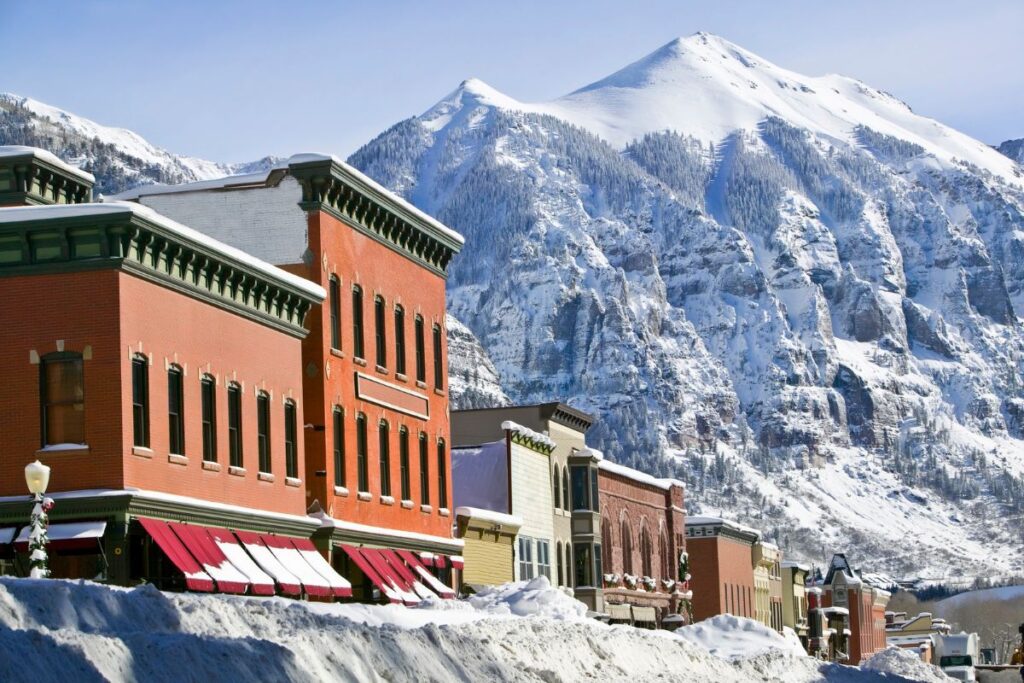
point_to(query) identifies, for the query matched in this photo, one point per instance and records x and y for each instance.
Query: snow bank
(78, 631)
(534, 598)
(905, 663)
(733, 638)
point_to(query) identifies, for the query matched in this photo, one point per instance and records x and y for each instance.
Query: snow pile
(734, 638)
(534, 598)
(905, 663)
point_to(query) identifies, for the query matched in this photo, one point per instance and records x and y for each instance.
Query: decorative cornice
(334, 188)
(27, 179)
(524, 439)
(147, 249)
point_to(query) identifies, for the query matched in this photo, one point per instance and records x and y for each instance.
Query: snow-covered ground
(77, 631)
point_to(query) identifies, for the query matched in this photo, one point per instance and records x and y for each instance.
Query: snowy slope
(118, 157)
(56, 630)
(801, 298)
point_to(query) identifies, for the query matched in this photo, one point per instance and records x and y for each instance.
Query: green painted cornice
(145, 248)
(533, 444)
(331, 186)
(27, 180)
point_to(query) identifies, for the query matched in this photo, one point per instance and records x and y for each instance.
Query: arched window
(666, 560)
(556, 487)
(646, 550)
(626, 541)
(566, 503)
(384, 448)
(606, 545)
(558, 559)
(63, 398)
(140, 400)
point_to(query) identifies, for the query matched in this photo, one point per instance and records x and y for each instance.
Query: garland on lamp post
(39, 564)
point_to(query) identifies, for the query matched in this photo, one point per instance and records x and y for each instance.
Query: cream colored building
(794, 598)
(767, 560)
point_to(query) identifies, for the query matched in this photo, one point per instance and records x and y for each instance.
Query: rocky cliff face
(810, 319)
(1014, 149)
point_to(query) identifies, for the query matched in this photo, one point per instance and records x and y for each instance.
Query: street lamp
(37, 476)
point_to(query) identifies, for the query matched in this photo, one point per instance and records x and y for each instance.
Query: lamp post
(37, 476)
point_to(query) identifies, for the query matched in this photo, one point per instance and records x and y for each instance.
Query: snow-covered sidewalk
(71, 631)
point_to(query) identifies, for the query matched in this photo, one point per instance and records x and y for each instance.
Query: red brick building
(375, 389)
(720, 554)
(844, 587)
(642, 541)
(158, 373)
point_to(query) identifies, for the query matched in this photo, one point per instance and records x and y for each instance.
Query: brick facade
(721, 564)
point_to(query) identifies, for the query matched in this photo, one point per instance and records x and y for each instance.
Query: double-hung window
(357, 322)
(421, 362)
(335, 312)
(361, 464)
(176, 411)
(399, 340)
(62, 398)
(442, 475)
(525, 558)
(140, 401)
(543, 558)
(208, 397)
(403, 462)
(438, 359)
(235, 425)
(381, 337)
(339, 447)
(424, 471)
(384, 445)
(263, 430)
(291, 452)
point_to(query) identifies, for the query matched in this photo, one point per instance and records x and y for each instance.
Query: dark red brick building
(720, 554)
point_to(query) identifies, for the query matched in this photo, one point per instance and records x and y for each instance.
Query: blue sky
(233, 81)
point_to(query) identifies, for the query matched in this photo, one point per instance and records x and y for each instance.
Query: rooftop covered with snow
(10, 153)
(638, 476)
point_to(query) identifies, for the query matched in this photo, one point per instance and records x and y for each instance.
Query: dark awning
(195, 578)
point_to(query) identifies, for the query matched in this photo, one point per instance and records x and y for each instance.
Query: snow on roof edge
(526, 432)
(492, 516)
(638, 476)
(48, 157)
(20, 213)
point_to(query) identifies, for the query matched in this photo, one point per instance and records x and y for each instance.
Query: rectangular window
(339, 447)
(140, 401)
(384, 444)
(438, 367)
(357, 322)
(598, 571)
(583, 568)
(424, 471)
(291, 452)
(208, 394)
(235, 425)
(62, 399)
(580, 487)
(421, 362)
(263, 431)
(335, 313)
(176, 411)
(403, 462)
(399, 340)
(361, 464)
(381, 334)
(442, 475)
(543, 559)
(595, 498)
(525, 558)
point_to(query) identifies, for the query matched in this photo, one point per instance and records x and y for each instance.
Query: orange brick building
(156, 371)
(721, 565)
(375, 388)
(843, 587)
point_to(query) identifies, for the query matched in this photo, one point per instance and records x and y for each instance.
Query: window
(626, 540)
(357, 322)
(399, 340)
(383, 441)
(235, 425)
(176, 411)
(62, 398)
(442, 475)
(646, 551)
(140, 401)
(424, 471)
(558, 561)
(438, 372)
(291, 453)
(565, 490)
(361, 464)
(606, 543)
(544, 559)
(595, 497)
(421, 362)
(568, 565)
(583, 568)
(598, 559)
(403, 462)
(208, 398)
(666, 564)
(557, 489)
(525, 558)
(339, 447)
(381, 335)
(580, 487)
(335, 303)
(263, 430)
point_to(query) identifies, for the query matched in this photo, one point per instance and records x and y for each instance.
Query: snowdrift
(77, 631)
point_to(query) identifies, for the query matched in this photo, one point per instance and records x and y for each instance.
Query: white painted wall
(531, 498)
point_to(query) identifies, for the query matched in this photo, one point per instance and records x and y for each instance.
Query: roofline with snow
(31, 176)
(136, 239)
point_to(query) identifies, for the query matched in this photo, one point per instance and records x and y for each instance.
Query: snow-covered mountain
(1013, 149)
(119, 158)
(792, 292)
